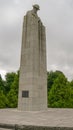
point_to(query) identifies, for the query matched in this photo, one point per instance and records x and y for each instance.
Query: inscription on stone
(25, 94)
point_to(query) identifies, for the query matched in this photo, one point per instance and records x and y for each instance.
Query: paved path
(4, 129)
(51, 117)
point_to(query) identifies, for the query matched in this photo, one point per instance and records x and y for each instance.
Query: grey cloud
(57, 16)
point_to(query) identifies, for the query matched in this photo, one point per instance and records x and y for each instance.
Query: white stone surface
(50, 118)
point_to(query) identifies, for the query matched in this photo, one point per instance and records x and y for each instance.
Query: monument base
(52, 119)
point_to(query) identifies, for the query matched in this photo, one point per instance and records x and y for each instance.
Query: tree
(9, 80)
(12, 99)
(15, 84)
(51, 77)
(3, 100)
(71, 83)
(13, 93)
(61, 93)
(1, 84)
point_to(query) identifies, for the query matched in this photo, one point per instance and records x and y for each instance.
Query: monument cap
(36, 6)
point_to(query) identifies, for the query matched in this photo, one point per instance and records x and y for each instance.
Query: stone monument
(33, 72)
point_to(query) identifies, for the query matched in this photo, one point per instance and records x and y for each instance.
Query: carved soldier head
(36, 8)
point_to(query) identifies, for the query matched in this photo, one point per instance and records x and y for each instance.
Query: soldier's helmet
(36, 6)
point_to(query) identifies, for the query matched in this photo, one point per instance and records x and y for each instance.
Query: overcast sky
(57, 16)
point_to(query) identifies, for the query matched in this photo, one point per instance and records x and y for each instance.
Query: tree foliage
(51, 76)
(60, 90)
(9, 90)
(3, 100)
(13, 93)
(2, 84)
(9, 80)
(12, 99)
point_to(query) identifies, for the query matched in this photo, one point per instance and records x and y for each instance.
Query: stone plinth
(52, 119)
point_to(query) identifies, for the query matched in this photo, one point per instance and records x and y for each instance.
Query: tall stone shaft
(33, 72)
